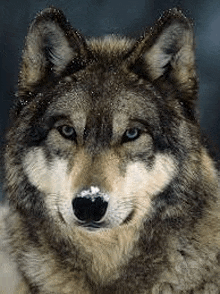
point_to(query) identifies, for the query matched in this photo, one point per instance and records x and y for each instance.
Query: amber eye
(131, 135)
(67, 132)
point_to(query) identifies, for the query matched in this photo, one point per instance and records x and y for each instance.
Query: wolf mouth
(92, 226)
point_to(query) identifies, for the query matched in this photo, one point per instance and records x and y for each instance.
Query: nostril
(81, 208)
(99, 209)
(88, 209)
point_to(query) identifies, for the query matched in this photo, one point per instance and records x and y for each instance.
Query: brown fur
(160, 233)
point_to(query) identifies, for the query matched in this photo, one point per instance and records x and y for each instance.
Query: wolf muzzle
(90, 205)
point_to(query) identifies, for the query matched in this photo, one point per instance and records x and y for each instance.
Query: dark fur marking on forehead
(98, 131)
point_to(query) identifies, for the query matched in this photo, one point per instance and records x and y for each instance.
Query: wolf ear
(168, 50)
(51, 45)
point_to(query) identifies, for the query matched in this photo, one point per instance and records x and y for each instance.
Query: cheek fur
(133, 190)
(140, 184)
(48, 177)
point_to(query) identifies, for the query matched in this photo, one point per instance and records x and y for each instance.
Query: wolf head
(104, 129)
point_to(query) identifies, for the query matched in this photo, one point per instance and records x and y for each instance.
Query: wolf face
(105, 150)
(101, 125)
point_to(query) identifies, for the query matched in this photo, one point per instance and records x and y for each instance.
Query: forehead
(109, 99)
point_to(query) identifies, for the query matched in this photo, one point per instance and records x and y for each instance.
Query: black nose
(89, 209)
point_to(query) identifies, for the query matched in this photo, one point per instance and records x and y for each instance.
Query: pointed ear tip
(49, 13)
(177, 14)
(51, 10)
(174, 12)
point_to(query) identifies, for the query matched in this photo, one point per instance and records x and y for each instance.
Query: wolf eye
(67, 132)
(131, 135)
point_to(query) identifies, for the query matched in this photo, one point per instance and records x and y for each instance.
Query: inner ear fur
(168, 49)
(51, 44)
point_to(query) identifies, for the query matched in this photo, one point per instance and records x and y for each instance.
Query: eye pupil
(131, 134)
(67, 132)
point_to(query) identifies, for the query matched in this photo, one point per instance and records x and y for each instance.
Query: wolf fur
(110, 123)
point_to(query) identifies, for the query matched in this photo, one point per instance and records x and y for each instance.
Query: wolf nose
(89, 209)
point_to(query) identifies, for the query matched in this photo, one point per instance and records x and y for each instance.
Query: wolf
(109, 185)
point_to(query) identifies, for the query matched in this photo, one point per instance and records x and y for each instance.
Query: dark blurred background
(130, 17)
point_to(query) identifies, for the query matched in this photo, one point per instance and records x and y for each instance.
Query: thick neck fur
(101, 255)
